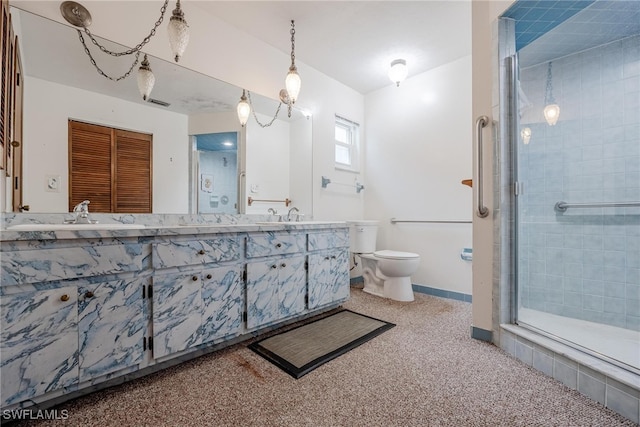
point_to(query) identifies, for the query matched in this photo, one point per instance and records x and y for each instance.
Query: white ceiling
(355, 41)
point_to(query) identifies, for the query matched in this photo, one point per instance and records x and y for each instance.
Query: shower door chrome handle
(482, 211)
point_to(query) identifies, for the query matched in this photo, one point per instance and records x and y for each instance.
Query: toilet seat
(388, 254)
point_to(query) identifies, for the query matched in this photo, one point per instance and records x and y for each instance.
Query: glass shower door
(578, 203)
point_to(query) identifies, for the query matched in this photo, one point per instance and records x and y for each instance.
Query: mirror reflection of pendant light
(287, 96)
(244, 109)
(78, 16)
(525, 133)
(551, 109)
(146, 79)
(178, 32)
(398, 71)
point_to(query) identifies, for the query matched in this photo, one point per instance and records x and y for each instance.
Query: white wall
(49, 106)
(268, 166)
(484, 15)
(417, 152)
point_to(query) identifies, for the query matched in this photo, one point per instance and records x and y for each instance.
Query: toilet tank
(362, 236)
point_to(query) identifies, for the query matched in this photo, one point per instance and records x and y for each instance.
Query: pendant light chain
(136, 50)
(102, 73)
(548, 99)
(253, 111)
(293, 43)
(140, 45)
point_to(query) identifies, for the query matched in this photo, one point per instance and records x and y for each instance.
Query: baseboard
(481, 334)
(442, 293)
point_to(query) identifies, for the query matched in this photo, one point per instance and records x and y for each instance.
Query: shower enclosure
(577, 171)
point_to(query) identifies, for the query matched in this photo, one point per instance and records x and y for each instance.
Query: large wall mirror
(194, 169)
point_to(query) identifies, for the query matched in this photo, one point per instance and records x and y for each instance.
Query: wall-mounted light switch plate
(52, 183)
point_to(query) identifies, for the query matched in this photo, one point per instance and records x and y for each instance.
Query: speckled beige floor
(426, 371)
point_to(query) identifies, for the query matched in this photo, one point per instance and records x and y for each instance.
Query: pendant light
(293, 82)
(244, 109)
(178, 32)
(551, 109)
(146, 79)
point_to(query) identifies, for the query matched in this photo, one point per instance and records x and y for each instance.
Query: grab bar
(563, 206)
(453, 221)
(482, 121)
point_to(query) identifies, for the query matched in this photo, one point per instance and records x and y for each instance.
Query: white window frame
(353, 145)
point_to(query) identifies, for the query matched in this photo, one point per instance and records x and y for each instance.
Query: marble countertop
(102, 230)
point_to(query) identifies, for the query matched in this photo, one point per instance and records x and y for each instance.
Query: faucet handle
(82, 207)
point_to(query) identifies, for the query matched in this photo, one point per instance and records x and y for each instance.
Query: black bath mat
(301, 350)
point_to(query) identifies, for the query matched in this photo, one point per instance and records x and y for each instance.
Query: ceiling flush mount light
(288, 96)
(398, 71)
(551, 109)
(78, 16)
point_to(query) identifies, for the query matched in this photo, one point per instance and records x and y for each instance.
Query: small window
(347, 141)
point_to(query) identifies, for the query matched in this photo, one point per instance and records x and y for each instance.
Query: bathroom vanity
(86, 308)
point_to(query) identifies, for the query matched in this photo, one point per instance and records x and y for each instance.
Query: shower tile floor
(621, 345)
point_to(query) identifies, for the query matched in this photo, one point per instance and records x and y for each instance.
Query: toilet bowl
(386, 273)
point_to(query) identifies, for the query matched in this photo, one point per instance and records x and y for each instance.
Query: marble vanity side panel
(339, 274)
(39, 347)
(181, 252)
(111, 326)
(319, 276)
(262, 293)
(41, 265)
(223, 303)
(268, 243)
(338, 238)
(177, 308)
(293, 286)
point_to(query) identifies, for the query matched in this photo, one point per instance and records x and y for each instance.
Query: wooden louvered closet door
(133, 172)
(109, 167)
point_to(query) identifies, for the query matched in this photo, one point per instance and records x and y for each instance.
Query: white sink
(60, 227)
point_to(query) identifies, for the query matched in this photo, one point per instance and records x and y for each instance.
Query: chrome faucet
(293, 209)
(81, 212)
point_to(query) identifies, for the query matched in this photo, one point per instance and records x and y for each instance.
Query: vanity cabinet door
(328, 277)
(39, 346)
(111, 326)
(222, 303)
(276, 290)
(177, 308)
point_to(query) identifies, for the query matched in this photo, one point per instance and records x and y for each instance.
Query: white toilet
(386, 273)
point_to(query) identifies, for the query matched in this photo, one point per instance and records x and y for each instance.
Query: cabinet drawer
(42, 265)
(275, 243)
(338, 238)
(177, 253)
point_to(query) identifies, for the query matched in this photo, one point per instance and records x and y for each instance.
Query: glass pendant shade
(293, 83)
(146, 79)
(398, 71)
(551, 114)
(244, 109)
(178, 33)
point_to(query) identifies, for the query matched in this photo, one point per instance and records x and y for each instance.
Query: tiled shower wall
(223, 196)
(584, 263)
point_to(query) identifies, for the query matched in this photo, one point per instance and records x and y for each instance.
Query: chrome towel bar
(563, 206)
(395, 221)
